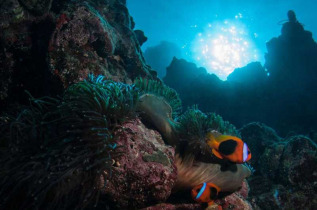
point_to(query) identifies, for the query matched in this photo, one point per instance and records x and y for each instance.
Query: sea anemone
(191, 173)
(193, 126)
(55, 150)
(159, 89)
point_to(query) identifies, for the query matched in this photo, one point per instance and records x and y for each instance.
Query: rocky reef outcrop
(145, 173)
(285, 169)
(282, 93)
(47, 45)
(159, 56)
(89, 149)
(82, 142)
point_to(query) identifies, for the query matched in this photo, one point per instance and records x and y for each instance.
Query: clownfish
(229, 147)
(206, 193)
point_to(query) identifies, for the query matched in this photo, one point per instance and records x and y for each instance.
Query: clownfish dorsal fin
(222, 138)
(215, 133)
(217, 154)
(212, 141)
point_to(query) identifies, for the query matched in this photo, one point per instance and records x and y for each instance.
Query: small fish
(206, 193)
(229, 147)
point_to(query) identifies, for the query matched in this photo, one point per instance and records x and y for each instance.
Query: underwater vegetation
(158, 88)
(56, 148)
(194, 126)
(125, 139)
(59, 152)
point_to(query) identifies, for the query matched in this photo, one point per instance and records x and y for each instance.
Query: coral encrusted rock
(285, 176)
(145, 172)
(258, 136)
(45, 46)
(299, 164)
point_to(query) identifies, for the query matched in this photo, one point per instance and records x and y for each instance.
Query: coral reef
(77, 142)
(56, 148)
(167, 206)
(48, 45)
(285, 170)
(259, 137)
(91, 142)
(145, 173)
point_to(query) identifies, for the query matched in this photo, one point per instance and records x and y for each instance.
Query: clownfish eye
(249, 152)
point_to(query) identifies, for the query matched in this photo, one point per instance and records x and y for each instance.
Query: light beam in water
(224, 46)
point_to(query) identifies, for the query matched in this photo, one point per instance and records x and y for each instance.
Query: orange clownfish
(229, 147)
(206, 193)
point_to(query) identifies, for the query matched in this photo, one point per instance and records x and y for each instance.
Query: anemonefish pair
(228, 147)
(206, 193)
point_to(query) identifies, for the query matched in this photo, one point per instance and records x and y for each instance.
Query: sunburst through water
(224, 46)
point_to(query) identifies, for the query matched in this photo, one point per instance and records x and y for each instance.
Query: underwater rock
(181, 73)
(299, 164)
(167, 206)
(244, 191)
(258, 136)
(46, 51)
(291, 63)
(86, 40)
(145, 173)
(234, 201)
(161, 55)
(237, 200)
(196, 86)
(279, 197)
(269, 161)
(281, 93)
(140, 36)
(81, 43)
(37, 7)
(252, 74)
(23, 65)
(286, 174)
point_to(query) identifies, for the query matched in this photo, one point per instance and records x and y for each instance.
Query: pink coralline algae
(48, 45)
(144, 174)
(167, 206)
(237, 200)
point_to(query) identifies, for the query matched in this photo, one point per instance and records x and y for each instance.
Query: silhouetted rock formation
(140, 36)
(238, 100)
(253, 75)
(160, 56)
(284, 96)
(180, 72)
(292, 63)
